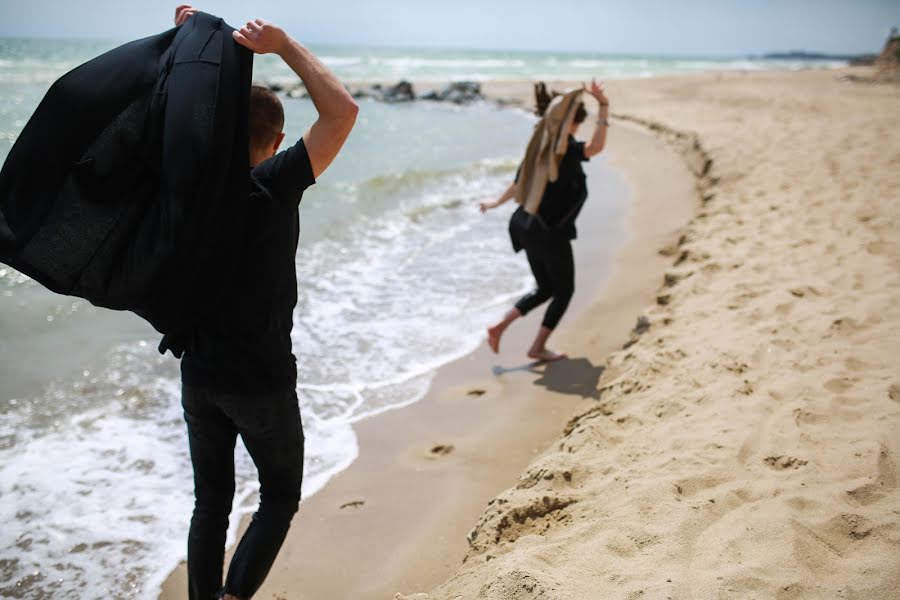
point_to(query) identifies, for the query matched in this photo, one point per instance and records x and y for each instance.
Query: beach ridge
(746, 443)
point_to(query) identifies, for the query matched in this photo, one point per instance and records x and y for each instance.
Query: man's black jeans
(270, 427)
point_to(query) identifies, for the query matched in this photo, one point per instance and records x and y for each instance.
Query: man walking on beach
(238, 369)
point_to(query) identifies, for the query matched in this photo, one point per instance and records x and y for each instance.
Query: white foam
(341, 61)
(414, 291)
(98, 503)
(413, 62)
(83, 506)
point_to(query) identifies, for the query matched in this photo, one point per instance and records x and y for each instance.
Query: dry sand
(746, 445)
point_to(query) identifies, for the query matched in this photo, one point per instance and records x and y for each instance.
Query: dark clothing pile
(128, 186)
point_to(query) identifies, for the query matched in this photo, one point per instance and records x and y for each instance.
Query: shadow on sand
(572, 376)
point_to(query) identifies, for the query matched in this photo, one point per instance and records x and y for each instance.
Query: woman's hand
(598, 139)
(486, 205)
(262, 37)
(184, 12)
(596, 90)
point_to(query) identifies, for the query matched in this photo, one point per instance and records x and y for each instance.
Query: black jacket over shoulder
(129, 184)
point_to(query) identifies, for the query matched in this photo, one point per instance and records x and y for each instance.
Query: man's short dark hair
(266, 116)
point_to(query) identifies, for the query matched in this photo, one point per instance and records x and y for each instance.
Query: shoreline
(396, 519)
(746, 443)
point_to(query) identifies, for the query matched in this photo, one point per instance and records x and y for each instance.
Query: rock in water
(402, 92)
(462, 92)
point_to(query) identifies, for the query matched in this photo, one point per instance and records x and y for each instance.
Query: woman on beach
(550, 188)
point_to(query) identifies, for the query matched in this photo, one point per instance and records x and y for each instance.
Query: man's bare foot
(494, 334)
(546, 355)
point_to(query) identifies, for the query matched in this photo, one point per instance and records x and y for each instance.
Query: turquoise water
(41, 61)
(385, 64)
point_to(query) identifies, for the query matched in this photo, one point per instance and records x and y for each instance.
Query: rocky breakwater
(457, 92)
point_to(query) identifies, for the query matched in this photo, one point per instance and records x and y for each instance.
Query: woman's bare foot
(546, 355)
(539, 350)
(494, 334)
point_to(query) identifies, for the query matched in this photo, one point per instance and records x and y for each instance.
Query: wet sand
(397, 519)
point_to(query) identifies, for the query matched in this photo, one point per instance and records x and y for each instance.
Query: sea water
(398, 274)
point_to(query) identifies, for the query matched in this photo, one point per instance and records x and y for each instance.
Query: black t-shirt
(245, 343)
(564, 197)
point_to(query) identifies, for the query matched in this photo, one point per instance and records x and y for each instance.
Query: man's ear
(278, 141)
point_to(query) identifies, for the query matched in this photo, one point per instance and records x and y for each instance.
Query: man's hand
(337, 109)
(262, 37)
(183, 13)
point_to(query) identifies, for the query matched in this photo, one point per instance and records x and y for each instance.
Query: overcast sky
(709, 27)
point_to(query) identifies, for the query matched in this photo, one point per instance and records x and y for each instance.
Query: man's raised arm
(337, 109)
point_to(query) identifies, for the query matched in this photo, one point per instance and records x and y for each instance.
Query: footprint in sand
(854, 364)
(353, 504)
(671, 278)
(801, 504)
(785, 308)
(781, 463)
(847, 326)
(894, 392)
(693, 485)
(839, 384)
(879, 248)
(885, 480)
(816, 543)
(440, 450)
(476, 393)
(806, 417)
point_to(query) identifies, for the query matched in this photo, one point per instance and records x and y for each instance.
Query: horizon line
(613, 54)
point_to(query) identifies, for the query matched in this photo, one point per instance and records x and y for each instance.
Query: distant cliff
(888, 62)
(856, 59)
